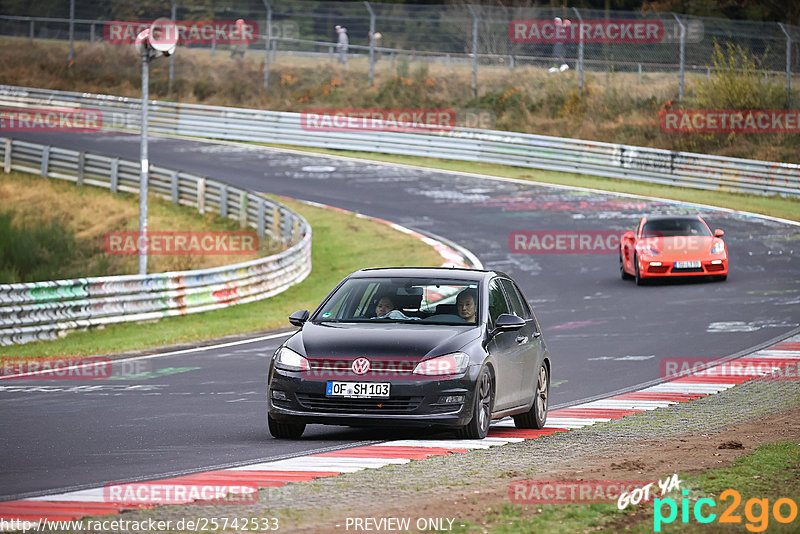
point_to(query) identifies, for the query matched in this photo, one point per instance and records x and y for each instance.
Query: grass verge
(342, 244)
(774, 206)
(86, 215)
(771, 472)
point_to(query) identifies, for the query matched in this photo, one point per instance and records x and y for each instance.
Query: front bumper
(412, 402)
(708, 267)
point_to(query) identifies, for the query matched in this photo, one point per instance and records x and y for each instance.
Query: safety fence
(595, 158)
(45, 310)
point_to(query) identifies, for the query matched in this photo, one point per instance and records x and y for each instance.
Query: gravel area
(309, 505)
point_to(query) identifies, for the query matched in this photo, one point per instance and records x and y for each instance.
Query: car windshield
(402, 300)
(675, 227)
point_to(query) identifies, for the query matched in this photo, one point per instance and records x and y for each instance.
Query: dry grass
(614, 107)
(90, 213)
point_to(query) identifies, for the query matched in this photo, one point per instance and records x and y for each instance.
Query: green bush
(736, 83)
(34, 253)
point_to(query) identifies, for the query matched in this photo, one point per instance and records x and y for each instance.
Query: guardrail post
(201, 195)
(45, 160)
(683, 55)
(243, 209)
(579, 65)
(31, 30)
(114, 174)
(788, 65)
(81, 167)
(276, 223)
(474, 50)
(174, 187)
(7, 157)
(260, 223)
(91, 33)
(223, 201)
(371, 44)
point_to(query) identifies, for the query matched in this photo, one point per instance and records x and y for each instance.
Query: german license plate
(687, 264)
(358, 390)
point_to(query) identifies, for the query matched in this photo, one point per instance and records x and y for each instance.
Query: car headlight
(650, 250)
(289, 360)
(449, 364)
(718, 248)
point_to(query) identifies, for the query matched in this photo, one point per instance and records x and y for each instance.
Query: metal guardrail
(45, 310)
(595, 158)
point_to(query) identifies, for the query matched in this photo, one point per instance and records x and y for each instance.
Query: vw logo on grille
(360, 366)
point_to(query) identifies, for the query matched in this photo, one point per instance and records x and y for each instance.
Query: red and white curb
(94, 501)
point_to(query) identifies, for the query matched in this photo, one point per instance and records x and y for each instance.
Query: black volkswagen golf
(413, 346)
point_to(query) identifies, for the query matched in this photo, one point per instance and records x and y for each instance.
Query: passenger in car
(385, 305)
(465, 303)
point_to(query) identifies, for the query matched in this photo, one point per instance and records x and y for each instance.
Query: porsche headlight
(289, 360)
(449, 364)
(718, 248)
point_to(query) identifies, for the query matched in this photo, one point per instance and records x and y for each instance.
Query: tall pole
(172, 57)
(269, 39)
(683, 55)
(474, 50)
(371, 44)
(579, 66)
(788, 65)
(143, 175)
(71, 29)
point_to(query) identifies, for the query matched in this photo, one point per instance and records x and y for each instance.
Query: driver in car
(465, 304)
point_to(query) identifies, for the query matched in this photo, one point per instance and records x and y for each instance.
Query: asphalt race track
(195, 411)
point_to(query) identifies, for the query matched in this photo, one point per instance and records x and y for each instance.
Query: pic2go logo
(757, 511)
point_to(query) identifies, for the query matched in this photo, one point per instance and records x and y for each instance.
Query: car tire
(536, 417)
(622, 273)
(482, 406)
(637, 277)
(721, 278)
(285, 430)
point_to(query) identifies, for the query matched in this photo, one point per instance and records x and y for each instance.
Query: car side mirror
(718, 233)
(628, 236)
(299, 317)
(507, 322)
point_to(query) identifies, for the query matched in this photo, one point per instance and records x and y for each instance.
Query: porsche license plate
(358, 390)
(687, 264)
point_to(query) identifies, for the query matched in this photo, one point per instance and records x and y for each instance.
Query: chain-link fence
(379, 35)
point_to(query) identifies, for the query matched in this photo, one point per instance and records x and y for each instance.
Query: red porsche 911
(666, 246)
